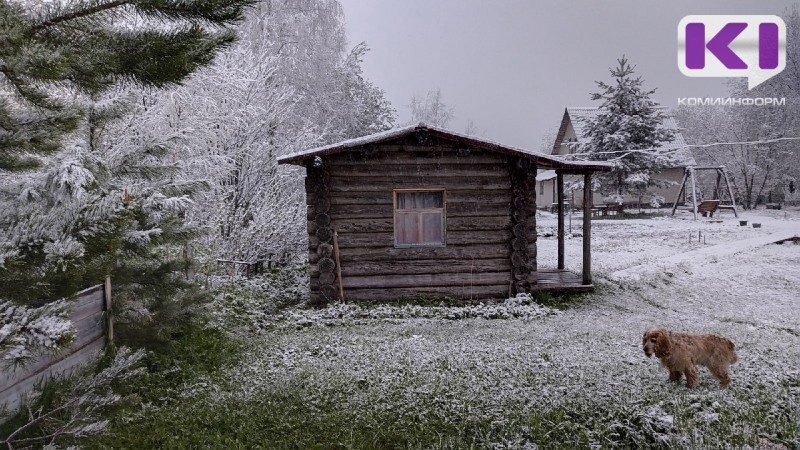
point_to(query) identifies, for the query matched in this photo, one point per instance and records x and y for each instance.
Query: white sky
(512, 66)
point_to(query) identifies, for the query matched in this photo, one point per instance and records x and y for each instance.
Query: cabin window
(419, 218)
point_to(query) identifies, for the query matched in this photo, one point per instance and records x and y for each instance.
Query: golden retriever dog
(681, 353)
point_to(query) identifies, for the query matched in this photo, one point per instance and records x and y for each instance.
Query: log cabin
(420, 211)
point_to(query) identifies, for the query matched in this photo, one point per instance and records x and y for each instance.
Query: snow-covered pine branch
(27, 332)
(80, 412)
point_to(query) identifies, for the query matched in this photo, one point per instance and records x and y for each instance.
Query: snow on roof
(546, 175)
(681, 156)
(544, 161)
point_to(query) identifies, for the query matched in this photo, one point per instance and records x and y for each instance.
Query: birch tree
(747, 141)
(431, 109)
(288, 85)
(757, 144)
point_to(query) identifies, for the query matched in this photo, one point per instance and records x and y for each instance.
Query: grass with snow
(517, 374)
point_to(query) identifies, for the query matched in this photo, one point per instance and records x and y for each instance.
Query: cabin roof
(542, 161)
(546, 175)
(679, 156)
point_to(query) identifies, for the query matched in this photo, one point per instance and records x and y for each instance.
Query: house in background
(420, 211)
(573, 132)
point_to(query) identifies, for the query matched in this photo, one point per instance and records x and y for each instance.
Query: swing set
(708, 205)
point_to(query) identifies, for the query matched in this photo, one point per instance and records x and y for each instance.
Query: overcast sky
(511, 66)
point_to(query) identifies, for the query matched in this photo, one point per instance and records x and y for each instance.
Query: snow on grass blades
(520, 307)
(413, 377)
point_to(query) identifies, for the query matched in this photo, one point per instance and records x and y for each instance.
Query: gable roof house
(421, 211)
(573, 133)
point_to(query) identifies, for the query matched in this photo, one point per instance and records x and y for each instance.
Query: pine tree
(629, 132)
(139, 171)
(105, 198)
(55, 49)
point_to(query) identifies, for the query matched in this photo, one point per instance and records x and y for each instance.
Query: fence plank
(107, 305)
(87, 311)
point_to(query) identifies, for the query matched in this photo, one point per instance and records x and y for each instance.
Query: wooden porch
(555, 280)
(559, 279)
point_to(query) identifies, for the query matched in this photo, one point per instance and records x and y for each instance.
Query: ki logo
(732, 46)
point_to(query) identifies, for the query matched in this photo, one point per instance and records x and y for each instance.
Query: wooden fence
(255, 266)
(92, 326)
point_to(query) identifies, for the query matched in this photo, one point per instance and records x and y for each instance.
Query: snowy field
(523, 375)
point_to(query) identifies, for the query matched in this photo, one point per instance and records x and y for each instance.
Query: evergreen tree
(106, 199)
(52, 50)
(628, 132)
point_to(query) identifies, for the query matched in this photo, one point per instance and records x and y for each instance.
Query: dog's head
(656, 342)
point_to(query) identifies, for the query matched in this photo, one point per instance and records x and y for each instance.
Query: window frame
(442, 210)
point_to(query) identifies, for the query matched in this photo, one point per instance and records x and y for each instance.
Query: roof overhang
(546, 175)
(542, 161)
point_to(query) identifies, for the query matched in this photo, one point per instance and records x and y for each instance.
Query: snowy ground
(420, 367)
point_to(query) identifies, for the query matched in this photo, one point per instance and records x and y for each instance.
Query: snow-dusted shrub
(656, 201)
(248, 301)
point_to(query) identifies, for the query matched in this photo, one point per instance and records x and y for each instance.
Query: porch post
(560, 200)
(587, 228)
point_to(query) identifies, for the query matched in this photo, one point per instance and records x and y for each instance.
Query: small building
(423, 212)
(572, 133)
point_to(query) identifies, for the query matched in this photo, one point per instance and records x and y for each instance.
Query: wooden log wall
(323, 273)
(352, 193)
(523, 221)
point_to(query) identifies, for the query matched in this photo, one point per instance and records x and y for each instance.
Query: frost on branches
(82, 193)
(28, 332)
(80, 411)
(287, 85)
(628, 132)
(757, 145)
(89, 46)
